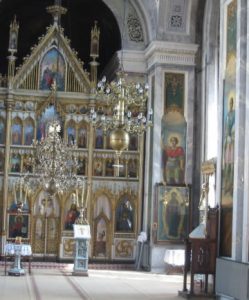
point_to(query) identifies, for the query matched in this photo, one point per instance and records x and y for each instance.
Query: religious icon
(124, 216)
(81, 166)
(1, 162)
(132, 168)
(15, 163)
(52, 69)
(18, 225)
(71, 216)
(82, 139)
(98, 168)
(175, 161)
(16, 133)
(109, 170)
(228, 146)
(100, 244)
(28, 132)
(71, 133)
(133, 142)
(2, 131)
(99, 142)
(172, 215)
(174, 91)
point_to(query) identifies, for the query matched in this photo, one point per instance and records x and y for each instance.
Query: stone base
(16, 272)
(80, 273)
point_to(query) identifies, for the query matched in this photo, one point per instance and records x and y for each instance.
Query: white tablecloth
(174, 257)
(12, 249)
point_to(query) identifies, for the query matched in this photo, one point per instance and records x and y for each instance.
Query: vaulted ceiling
(33, 20)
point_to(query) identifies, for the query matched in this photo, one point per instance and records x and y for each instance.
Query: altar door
(46, 226)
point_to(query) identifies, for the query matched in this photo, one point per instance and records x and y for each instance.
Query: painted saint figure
(18, 228)
(173, 216)
(174, 166)
(124, 216)
(71, 216)
(228, 156)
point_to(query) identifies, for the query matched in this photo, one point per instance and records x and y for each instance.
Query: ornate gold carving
(124, 248)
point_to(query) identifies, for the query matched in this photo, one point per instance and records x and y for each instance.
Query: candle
(87, 195)
(82, 196)
(15, 193)
(77, 197)
(25, 198)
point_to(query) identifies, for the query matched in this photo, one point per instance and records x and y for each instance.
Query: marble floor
(59, 283)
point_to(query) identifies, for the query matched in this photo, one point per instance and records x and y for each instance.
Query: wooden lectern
(201, 245)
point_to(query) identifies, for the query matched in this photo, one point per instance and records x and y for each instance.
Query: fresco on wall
(52, 69)
(229, 98)
(173, 130)
(173, 145)
(174, 92)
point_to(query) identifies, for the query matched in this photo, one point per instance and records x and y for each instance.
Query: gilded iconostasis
(51, 85)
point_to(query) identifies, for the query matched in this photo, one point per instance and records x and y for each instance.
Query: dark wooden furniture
(200, 255)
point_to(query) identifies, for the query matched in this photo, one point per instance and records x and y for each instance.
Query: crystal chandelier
(126, 110)
(55, 162)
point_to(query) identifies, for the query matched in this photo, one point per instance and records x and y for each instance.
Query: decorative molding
(170, 53)
(134, 27)
(177, 16)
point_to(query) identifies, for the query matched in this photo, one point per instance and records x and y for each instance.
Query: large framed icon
(18, 226)
(172, 213)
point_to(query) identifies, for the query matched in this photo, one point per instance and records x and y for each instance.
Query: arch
(102, 205)
(143, 15)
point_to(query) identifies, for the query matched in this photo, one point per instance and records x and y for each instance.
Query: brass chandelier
(55, 162)
(126, 110)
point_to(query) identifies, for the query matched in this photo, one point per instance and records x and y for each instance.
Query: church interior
(128, 118)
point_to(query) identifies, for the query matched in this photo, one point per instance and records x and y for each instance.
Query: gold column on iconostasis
(9, 103)
(13, 39)
(94, 53)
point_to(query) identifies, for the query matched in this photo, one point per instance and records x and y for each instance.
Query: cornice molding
(170, 53)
